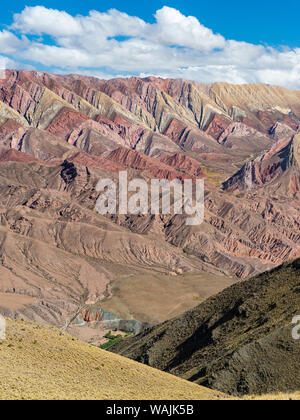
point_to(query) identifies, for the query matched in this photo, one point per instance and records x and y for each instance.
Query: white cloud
(114, 23)
(173, 28)
(40, 20)
(116, 43)
(9, 43)
(7, 63)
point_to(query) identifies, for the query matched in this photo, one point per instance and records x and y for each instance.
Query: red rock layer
(184, 164)
(65, 122)
(90, 161)
(217, 125)
(8, 128)
(136, 160)
(89, 316)
(13, 155)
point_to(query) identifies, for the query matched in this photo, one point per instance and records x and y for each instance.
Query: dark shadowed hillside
(239, 341)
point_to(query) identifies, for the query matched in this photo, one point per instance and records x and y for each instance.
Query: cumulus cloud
(173, 28)
(114, 43)
(40, 20)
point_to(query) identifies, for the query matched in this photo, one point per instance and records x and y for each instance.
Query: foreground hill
(238, 342)
(41, 362)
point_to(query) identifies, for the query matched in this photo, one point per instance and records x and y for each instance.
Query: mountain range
(59, 134)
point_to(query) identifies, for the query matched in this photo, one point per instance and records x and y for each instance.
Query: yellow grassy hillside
(41, 362)
(295, 396)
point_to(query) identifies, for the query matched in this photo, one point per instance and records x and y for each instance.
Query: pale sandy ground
(92, 335)
(15, 302)
(157, 297)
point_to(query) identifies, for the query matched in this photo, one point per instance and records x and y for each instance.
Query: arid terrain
(63, 264)
(239, 342)
(39, 362)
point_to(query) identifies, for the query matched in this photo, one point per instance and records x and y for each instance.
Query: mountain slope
(278, 169)
(40, 362)
(60, 134)
(238, 342)
(57, 250)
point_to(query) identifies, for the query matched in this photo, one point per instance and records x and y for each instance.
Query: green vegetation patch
(113, 339)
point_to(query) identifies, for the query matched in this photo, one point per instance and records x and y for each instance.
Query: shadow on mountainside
(239, 341)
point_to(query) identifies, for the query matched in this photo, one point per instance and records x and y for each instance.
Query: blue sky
(267, 21)
(257, 41)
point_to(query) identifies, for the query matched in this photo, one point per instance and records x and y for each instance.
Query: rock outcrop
(278, 169)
